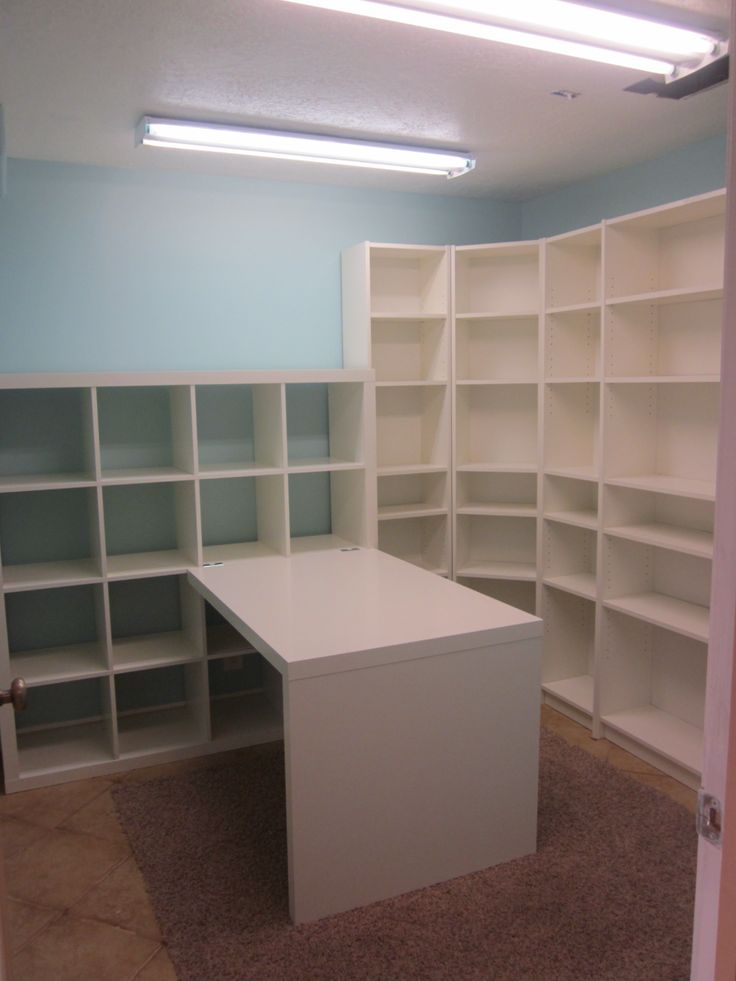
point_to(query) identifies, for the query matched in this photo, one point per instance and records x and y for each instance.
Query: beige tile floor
(79, 910)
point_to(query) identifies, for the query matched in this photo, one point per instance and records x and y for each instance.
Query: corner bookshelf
(111, 487)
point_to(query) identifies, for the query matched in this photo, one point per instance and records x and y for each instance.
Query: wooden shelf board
(415, 383)
(209, 471)
(520, 571)
(577, 692)
(499, 510)
(497, 467)
(580, 519)
(573, 380)
(686, 540)
(664, 733)
(476, 382)
(51, 664)
(141, 564)
(223, 640)
(409, 469)
(248, 715)
(577, 473)
(41, 575)
(663, 297)
(499, 315)
(701, 490)
(392, 512)
(713, 379)
(688, 619)
(238, 550)
(412, 316)
(157, 730)
(45, 481)
(152, 651)
(63, 748)
(318, 543)
(144, 475)
(586, 307)
(316, 464)
(579, 584)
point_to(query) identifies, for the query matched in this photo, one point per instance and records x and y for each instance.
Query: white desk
(411, 720)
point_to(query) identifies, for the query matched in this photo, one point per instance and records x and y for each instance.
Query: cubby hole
(408, 281)
(568, 649)
(327, 510)
(513, 592)
(673, 249)
(409, 350)
(573, 345)
(571, 442)
(49, 537)
(324, 424)
(239, 428)
(150, 528)
(571, 501)
(65, 726)
(513, 494)
(161, 709)
(496, 547)
(221, 638)
(422, 541)
(573, 270)
(569, 558)
(666, 588)
(664, 340)
(410, 495)
(56, 634)
(243, 517)
(652, 685)
(46, 437)
(145, 432)
(497, 350)
(413, 427)
(497, 426)
(672, 522)
(245, 699)
(498, 280)
(155, 621)
(663, 437)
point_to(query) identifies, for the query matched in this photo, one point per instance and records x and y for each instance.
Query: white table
(411, 720)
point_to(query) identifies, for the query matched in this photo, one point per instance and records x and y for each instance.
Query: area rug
(607, 897)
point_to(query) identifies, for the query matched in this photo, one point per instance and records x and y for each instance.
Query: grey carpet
(607, 897)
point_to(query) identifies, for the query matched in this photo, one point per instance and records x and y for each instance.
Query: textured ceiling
(76, 75)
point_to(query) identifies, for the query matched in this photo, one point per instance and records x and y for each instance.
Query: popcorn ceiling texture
(608, 896)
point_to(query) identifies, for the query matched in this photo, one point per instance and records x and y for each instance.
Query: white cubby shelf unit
(584, 376)
(111, 487)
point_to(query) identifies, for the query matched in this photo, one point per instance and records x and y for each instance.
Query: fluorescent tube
(211, 138)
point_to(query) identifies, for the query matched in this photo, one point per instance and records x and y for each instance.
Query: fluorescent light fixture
(211, 138)
(556, 26)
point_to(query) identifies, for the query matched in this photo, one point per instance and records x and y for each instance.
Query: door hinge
(709, 817)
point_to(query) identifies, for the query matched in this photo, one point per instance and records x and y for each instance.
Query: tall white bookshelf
(396, 320)
(585, 390)
(111, 488)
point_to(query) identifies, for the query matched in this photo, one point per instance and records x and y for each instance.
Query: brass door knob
(16, 695)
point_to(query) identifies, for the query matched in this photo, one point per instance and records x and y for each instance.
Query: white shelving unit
(111, 487)
(396, 320)
(585, 390)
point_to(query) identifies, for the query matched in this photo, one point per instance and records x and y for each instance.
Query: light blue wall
(690, 170)
(105, 269)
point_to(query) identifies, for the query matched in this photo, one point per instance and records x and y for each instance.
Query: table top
(338, 610)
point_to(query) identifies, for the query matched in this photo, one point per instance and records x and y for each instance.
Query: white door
(714, 938)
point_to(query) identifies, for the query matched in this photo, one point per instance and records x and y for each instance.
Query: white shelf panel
(412, 316)
(658, 297)
(667, 536)
(141, 564)
(688, 619)
(392, 512)
(408, 469)
(157, 731)
(63, 748)
(50, 481)
(318, 543)
(41, 575)
(475, 382)
(577, 692)
(573, 380)
(530, 467)
(497, 315)
(422, 563)
(664, 733)
(420, 383)
(578, 473)
(225, 641)
(580, 519)
(153, 651)
(500, 510)
(664, 380)
(579, 584)
(214, 470)
(145, 475)
(576, 308)
(522, 571)
(324, 463)
(701, 490)
(247, 717)
(240, 550)
(51, 664)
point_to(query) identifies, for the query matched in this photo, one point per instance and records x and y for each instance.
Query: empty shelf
(664, 733)
(688, 619)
